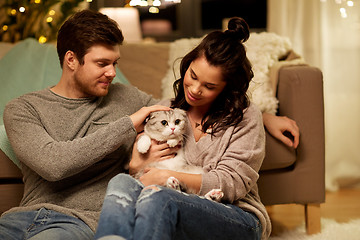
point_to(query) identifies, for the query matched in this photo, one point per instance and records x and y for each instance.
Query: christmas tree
(40, 19)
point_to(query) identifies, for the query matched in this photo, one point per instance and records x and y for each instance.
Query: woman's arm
(160, 176)
(157, 152)
(232, 164)
(277, 125)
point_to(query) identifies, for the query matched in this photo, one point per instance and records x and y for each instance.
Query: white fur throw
(263, 50)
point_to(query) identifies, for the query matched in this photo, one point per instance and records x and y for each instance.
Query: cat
(170, 127)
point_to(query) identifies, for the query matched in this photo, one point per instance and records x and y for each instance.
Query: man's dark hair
(85, 29)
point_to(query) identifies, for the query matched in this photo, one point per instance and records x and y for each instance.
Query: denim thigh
(163, 213)
(43, 224)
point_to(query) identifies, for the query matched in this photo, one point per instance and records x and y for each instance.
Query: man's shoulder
(25, 102)
(30, 96)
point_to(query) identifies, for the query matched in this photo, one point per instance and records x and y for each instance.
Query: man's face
(94, 76)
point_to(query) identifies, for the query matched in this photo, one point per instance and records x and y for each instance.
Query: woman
(226, 137)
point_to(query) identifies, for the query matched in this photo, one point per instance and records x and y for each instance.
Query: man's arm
(55, 160)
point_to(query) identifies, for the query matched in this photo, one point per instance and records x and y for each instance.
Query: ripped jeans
(131, 211)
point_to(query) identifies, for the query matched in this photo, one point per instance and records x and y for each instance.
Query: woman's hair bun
(238, 27)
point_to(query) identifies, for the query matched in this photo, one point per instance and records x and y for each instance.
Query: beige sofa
(287, 175)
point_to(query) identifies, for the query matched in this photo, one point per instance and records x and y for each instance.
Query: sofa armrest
(11, 186)
(300, 95)
(8, 169)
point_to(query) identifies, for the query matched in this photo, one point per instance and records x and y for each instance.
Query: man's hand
(278, 125)
(139, 117)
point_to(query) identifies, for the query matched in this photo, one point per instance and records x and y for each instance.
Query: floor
(341, 206)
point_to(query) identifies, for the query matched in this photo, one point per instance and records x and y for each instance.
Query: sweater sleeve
(55, 159)
(238, 158)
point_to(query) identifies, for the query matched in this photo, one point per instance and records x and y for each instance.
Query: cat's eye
(177, 121)
(164, 122)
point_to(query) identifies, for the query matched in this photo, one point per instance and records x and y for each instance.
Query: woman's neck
(195, 115)
(195, 118)
(197, 112)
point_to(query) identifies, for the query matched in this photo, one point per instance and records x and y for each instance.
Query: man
(72, 138)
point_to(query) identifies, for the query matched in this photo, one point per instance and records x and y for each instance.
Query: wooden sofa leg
(312, 218)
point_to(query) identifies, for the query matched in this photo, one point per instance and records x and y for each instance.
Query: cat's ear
(151, 116)
(180, 111)
(147, 119)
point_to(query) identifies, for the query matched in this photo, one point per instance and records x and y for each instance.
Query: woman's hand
(157, 152)
(139, 117)
(155, 176)
(277, 125)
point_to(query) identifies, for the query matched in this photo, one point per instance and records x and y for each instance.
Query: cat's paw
(215, 195)
(143, 144)
(172, 142)
(173, 183)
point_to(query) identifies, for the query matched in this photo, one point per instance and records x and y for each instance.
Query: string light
(153, 10)
(155, 3)
(350, 3)
(343, 13)
(42, 39)
(342, 9)
(22, 19)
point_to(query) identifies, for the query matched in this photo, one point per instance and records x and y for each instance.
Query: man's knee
(63, 233)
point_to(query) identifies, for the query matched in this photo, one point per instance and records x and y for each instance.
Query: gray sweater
(232, 160)
(69, 149)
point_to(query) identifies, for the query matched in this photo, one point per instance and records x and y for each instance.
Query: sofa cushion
(5, 146)
(31, 66)
(283, 157)
(144, 65)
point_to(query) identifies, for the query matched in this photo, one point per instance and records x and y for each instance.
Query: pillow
(30, 66)
(6, 147)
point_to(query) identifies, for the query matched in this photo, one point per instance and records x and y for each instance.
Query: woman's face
(202, 84)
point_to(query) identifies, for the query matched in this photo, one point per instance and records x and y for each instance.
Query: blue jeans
(43, 224)
(134, 212)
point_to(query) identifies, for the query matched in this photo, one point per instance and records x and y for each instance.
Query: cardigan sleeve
(238, 158)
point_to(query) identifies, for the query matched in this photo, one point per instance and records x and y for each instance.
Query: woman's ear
(70, 60)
